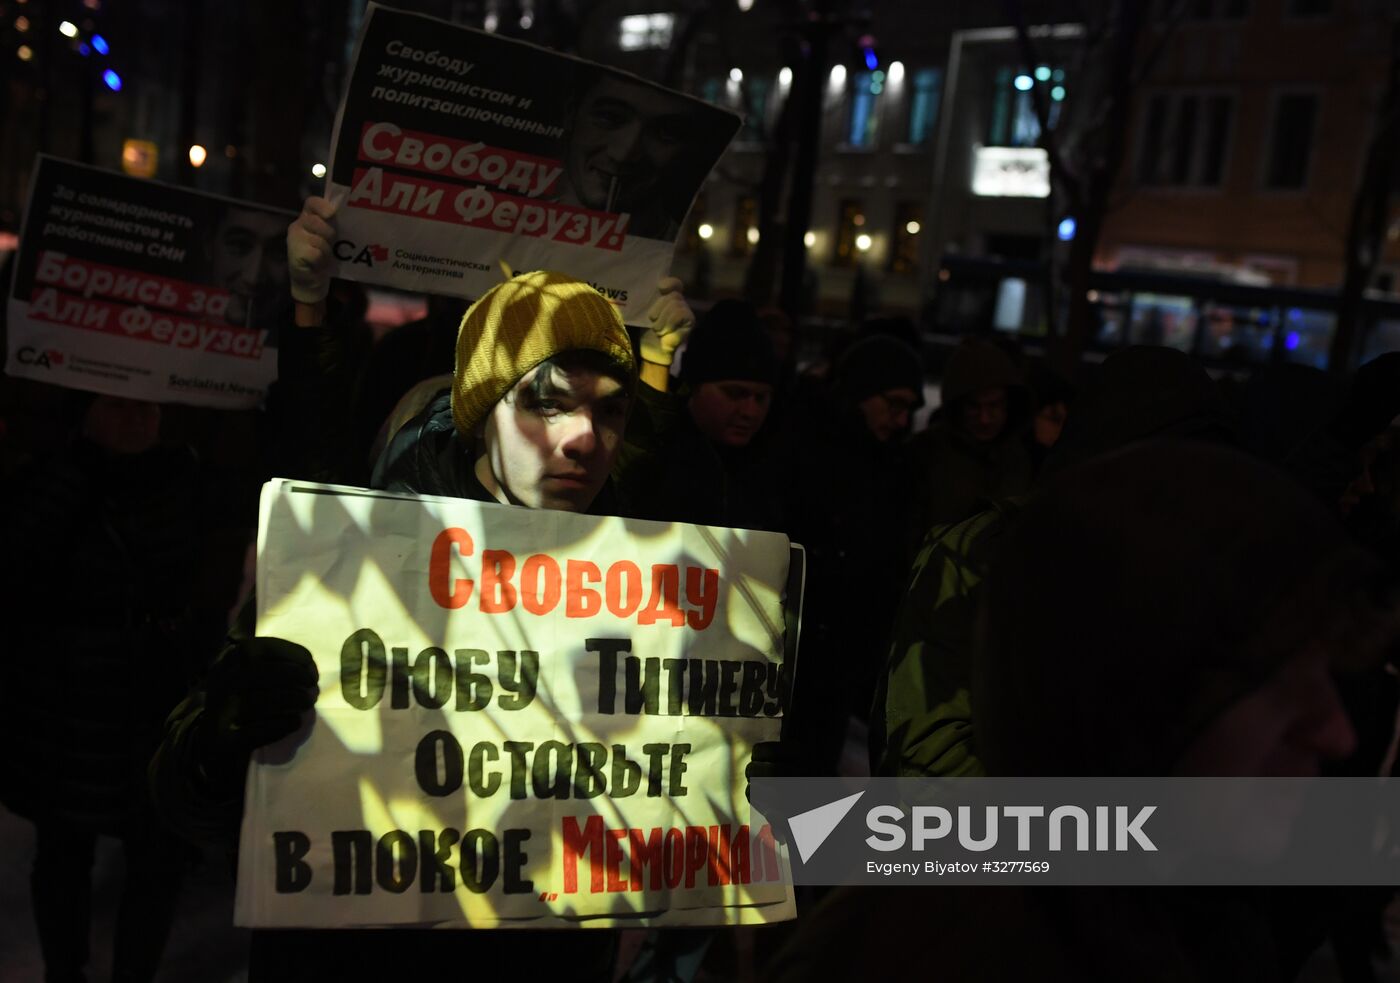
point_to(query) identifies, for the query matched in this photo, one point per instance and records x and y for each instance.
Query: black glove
(1372, 401)
(774, 759)
(255, 693)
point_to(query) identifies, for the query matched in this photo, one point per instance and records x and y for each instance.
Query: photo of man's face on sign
(248, 257)
(625, 151)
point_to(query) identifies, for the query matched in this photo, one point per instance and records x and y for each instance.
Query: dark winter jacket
(670, 471)
(101, 556)
(954, 470)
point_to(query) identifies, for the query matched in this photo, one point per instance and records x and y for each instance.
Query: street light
(752, 236)
(785, 76)
(863, 242)
(68, 29)
(809, 239)
(912, 227)
(1023, 83)
(25, 52)
(706, 230)
(198, 155)
(318, 170)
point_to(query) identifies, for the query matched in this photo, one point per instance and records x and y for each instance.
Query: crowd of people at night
(1143, 570)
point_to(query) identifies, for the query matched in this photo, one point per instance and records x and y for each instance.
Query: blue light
(1023, 83)
(871, 62)
(1291, 341)
(1066, 228)
(84, 50)
(113, 80)
(100, 44)
(1295, 314)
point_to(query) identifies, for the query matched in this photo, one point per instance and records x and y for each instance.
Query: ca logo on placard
(43, 359)
(347, 251)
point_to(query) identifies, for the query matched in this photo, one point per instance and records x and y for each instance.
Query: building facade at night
(1246, 141)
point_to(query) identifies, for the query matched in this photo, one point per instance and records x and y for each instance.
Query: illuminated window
(1014, 122)
(864, 123)
(642, 31)
(850, 223)
(908, 225)
(923, 105)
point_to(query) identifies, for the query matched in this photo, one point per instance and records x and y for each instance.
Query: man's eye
(549, 407)
(608, 118)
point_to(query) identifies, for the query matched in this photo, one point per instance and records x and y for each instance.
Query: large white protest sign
(455, 149)
(526, 718)
(138, 289)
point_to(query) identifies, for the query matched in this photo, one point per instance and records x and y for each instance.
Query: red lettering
(620, 604)
(614, 854)
(582, 602)
(646, 853)
(577, 843)
(497, 592)
(448, 593)
(694, 853)
(539, 598)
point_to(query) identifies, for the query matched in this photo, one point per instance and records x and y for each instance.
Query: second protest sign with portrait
(455, 149)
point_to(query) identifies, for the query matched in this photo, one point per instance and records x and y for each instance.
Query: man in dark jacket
(974, 451)
(539, 402)
(705, 456)
(99, 656)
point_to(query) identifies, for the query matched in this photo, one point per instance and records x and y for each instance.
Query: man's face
(551, 442)
(887, 414)
(730, 411)
(1049, 421)
(249, 260)
(624, 137)
(983, 414)
(1287, 727)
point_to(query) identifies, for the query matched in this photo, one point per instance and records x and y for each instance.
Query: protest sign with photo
(455, 149)
(132, 288)
(526, 718)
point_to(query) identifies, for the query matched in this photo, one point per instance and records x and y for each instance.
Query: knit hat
(518, 324)
(729, 342)
(876, 364)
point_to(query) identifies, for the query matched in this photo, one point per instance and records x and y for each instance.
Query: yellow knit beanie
(518, 324)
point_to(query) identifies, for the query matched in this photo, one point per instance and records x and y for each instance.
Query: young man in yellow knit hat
(534, 417)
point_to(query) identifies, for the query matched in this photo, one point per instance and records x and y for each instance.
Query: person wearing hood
(922, 722)
(974, 451)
